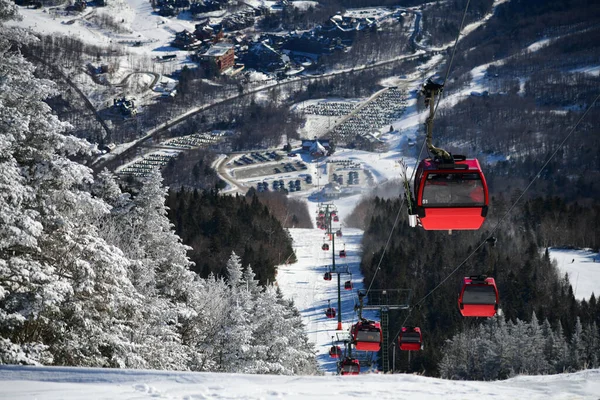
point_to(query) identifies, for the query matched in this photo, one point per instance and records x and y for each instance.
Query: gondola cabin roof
(451, 196)
(410, 339)
(478, 297)
(367, 335)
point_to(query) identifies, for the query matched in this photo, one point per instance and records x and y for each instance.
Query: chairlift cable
(503, 218)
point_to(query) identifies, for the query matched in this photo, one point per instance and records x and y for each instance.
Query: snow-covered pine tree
(61, 285)
(577, 347)
(591, 340)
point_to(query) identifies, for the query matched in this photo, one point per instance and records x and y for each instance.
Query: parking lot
(271, 171)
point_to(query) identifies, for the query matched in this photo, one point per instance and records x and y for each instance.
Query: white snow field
(61, 383)
(583, 267)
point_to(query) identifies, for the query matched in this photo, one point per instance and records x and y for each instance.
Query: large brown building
(220, 57)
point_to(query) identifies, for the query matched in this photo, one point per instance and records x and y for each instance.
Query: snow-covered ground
(60, 383)
(583, 267)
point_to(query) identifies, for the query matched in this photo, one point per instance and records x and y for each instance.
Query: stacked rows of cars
(289, 167)
(339, 179)
(257, 158)
(353, 178)
(279, 185)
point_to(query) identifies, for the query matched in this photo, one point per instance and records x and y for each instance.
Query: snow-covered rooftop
(218, 49)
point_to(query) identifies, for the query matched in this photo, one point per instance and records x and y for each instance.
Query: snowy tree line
(93, 276)
(499, 349)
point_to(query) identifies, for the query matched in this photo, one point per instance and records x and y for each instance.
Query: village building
(263, 57)
(186, 40)
(321, 145)
(218, 58)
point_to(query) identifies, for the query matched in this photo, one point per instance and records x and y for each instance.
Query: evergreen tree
(62, 287)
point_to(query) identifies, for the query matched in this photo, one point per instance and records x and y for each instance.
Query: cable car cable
(503, 218)
(395, 223)
(452, 57)
(421, 151)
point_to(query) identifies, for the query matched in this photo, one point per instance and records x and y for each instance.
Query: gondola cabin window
(368, 336)
(453, 190)
(411, 337)
(479, 295)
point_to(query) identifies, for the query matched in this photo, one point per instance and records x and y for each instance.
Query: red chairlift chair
(367, 335)
(410, 339)
(451, 196)
(478, 297)
(350, 366)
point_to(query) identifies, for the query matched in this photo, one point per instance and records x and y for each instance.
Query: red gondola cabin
(367, 335)
(336, 219)
(348, 285)
(335, 352)
(342, 253)
(350, 366)
(410, 339)
(327, 276)
(451, 196)
(325, 246)
(330, 312)
(338, 233)
(478, 297)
